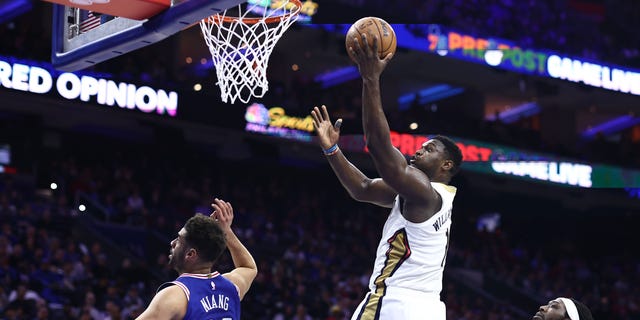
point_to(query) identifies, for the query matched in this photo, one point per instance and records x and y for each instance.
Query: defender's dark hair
(453, 151)
(204, 235)
(583, 311)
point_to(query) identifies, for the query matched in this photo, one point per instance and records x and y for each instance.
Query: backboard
(88, 33)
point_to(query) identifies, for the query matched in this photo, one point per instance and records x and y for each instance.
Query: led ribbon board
(308, 10)
(497, 159)
(41, 78)
(507, 55)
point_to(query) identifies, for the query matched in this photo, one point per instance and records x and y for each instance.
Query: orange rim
(218, 19)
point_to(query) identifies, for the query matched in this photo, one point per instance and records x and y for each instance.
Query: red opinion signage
(408, 144)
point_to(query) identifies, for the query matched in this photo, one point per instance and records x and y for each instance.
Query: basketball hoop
(240, 46)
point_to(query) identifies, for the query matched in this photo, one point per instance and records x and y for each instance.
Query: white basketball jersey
(412, 255)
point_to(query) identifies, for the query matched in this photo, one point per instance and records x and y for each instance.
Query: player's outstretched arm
(411, 183)
(359, 186)
(245, 267)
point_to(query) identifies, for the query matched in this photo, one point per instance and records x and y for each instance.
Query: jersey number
(446, 248)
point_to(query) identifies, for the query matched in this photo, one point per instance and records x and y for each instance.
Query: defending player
(563, 309)
(199, 293)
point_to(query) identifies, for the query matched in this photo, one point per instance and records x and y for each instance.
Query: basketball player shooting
(408, 269)
(199, 293)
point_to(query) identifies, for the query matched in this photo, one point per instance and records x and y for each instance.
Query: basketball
(372, 26)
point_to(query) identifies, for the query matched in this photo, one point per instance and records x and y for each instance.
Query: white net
(240, 46)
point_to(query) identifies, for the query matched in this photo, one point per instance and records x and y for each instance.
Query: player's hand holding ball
(371, 43)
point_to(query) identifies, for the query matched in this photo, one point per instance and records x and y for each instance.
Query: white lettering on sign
(594, 75)
(70, 86)
(39, 80)
(563, 172)
(24, 78)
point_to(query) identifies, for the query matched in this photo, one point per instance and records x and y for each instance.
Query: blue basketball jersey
(209, 296)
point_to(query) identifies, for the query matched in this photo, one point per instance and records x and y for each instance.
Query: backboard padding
(71, 52)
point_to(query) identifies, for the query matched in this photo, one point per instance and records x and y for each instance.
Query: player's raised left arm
(245, 267)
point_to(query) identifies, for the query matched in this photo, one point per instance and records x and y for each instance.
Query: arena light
(611, 126)
(335, 77)
(633, 192)
(8, 170)
(493, 57)
(5, 154)
(13, 8)
(516, 113)
(427, 95)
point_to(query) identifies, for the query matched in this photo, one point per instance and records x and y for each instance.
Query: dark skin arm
(422, 201)
(359, 186)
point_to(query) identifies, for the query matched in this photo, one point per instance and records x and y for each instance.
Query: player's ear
(447, 165)
(191, 254)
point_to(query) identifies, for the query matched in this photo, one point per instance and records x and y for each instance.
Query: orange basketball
(372, 26)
